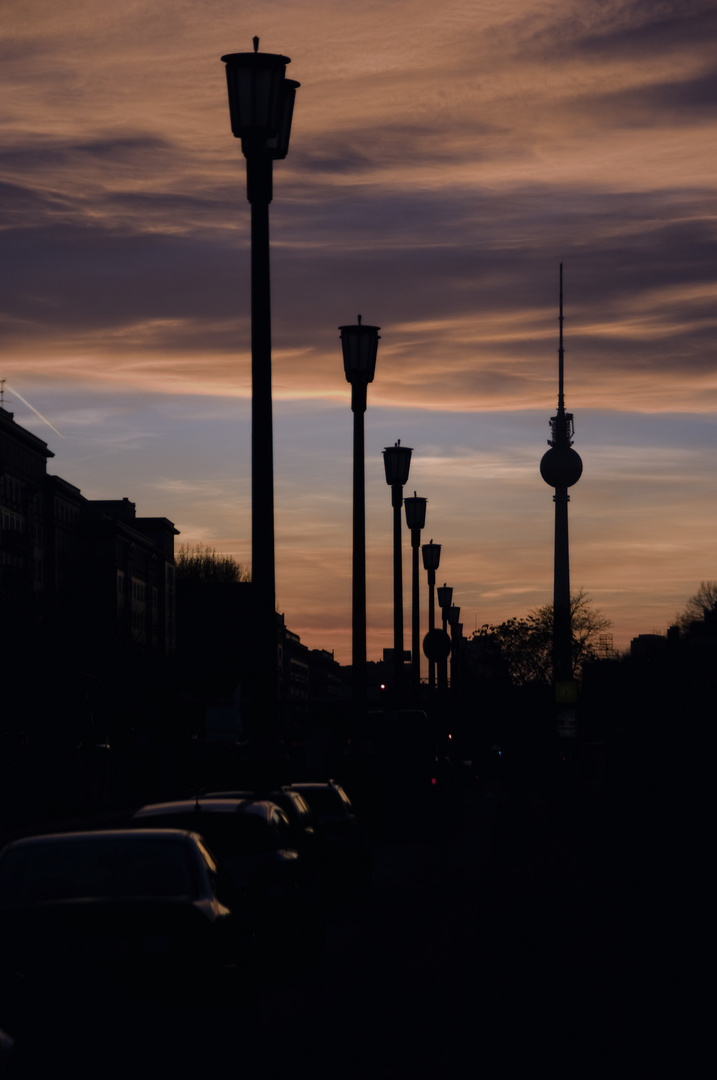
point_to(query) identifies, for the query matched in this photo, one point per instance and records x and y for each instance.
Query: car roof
(309, 786)
(260, 807)
(306, 785)
(281, 796)
(106, 835)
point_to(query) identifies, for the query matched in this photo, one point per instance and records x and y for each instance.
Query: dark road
(508, 950)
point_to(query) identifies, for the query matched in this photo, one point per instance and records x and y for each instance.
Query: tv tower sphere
(561, 466)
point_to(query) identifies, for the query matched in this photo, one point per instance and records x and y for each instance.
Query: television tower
(561, 467)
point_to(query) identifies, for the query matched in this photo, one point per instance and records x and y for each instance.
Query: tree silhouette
(699, 605)
(522, 648)
(199, 563)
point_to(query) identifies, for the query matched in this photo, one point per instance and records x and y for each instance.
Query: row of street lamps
(359, 343)
(261, 105)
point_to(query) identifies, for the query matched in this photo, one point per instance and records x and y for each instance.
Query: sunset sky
(445, 159)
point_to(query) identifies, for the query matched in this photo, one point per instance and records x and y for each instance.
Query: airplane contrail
(36, 412)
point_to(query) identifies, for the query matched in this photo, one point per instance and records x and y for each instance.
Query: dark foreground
(511, 938)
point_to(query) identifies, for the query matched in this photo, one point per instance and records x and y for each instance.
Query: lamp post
(445, 595)
(397, 462)
(431, 554)
(359, 344)
(415, 520)
(261, 103)
(453, 615)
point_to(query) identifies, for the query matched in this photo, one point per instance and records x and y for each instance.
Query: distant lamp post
(415, 520)
(431, 554)
(453, 616)
(397, 462)
(445, 595)
(359, 344)
(261, 103)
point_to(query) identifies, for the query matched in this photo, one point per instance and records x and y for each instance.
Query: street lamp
(445, 595)
(397, 462)
(359, 344)
(261, 103)
(415, 520)
(431, 554)
(453, 616)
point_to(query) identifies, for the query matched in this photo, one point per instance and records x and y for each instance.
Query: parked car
(345, 835)
(252, 841)
(114, 903)
(307, 836)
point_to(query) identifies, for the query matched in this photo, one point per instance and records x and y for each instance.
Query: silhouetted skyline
(444, 161)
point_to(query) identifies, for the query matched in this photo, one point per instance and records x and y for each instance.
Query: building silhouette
(87, 593)
(93, 627)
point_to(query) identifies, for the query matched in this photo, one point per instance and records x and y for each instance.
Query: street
(474, 955)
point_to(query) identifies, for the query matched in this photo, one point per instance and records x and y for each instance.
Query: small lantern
(454, 614)
(415, 511)
(445, 595)
(257, 101)
(397, 462)
(431, 554)
(278, 147)
(360, 345)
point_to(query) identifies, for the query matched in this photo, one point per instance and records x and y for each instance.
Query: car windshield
(226, 833)
(299, 803)
(327, 801)
(98, 868)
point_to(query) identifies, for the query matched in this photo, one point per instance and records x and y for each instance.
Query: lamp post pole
(453, 615)
(445, 595)
(431, 554)
(415, 520)
(397, 462)
(261, 103)
(359, 345)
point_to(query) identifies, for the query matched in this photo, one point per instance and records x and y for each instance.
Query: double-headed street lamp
(261, 104)
(431, 554)
(397, 462)
(359, 344)
(415, 519)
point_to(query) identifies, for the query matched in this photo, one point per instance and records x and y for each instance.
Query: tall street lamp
(453, 615)
(445, 595)
(359, 344)
(261, 104)
(431, 554)
(415, 520)
(397, 462)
